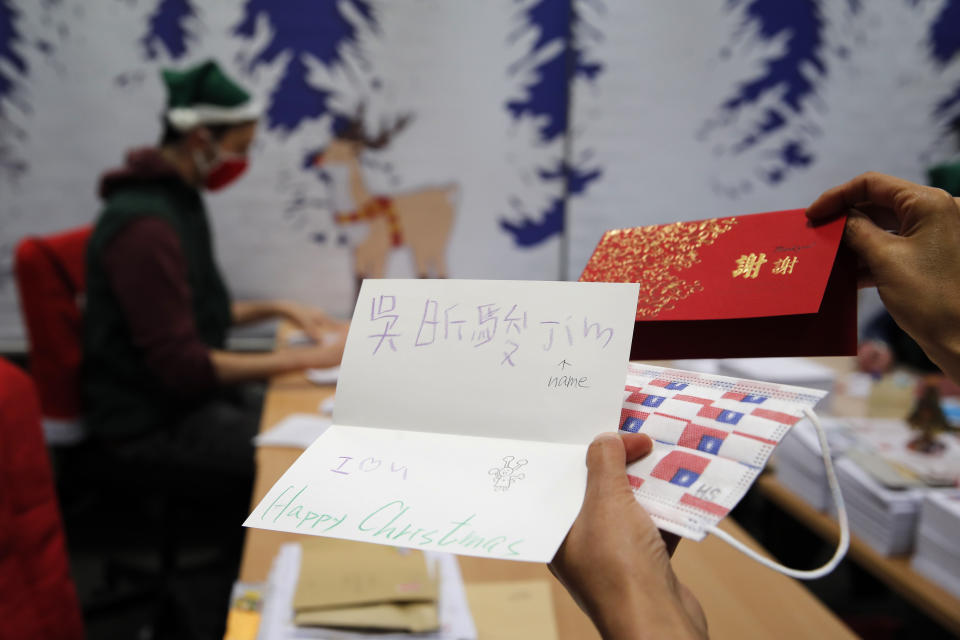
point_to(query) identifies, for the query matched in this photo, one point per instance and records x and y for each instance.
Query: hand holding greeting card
(464, 410)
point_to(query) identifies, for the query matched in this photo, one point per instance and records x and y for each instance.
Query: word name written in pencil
(568, 382)
(393, 522)
(511, 329)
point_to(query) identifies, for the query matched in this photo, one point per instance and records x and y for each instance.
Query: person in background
(883, 345)
(614, 562)
(160, 389)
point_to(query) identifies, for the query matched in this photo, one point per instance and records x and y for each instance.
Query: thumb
(867, 239)
(607, 461)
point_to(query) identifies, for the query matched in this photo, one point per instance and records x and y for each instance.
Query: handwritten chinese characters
(749, 265)
(506, 328)
(381, 310)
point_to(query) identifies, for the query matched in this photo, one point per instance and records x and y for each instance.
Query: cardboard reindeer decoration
(421, 218)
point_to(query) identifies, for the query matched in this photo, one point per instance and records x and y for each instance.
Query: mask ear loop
(842, 546)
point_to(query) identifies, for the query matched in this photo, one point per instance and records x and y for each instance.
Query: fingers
(328, 354)
(873, 188)
(306, 324)
(893, 203)
(881, 216)
(637, 445)
(867, 239)
(607, 459)
(606, 463)
(606, 469)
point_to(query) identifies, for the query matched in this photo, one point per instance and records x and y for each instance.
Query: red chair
(50, 273)
(51, 278)
(38, 599)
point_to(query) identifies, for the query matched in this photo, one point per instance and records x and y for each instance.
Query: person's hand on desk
(326, 352)
(615, 562)
(874, 357)
(314, 322)
(916, 269)
(233, 367)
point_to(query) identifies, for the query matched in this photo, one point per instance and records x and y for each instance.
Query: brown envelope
(342, 573)
(413, 617)
(513, 610)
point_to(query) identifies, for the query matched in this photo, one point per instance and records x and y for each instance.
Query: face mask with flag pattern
(712, 437)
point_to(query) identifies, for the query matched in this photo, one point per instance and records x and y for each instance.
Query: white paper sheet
(298, 430)
(330, 375)
(462, 417)
(326, 407)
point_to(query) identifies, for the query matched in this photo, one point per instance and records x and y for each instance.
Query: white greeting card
(464, 408)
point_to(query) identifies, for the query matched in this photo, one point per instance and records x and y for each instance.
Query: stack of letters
(884, 518)
(799, 462)
(937, 554)
(343, 590)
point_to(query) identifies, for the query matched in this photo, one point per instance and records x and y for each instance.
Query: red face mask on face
(225, 171)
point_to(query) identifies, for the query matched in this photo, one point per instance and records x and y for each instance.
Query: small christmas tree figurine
(927, 417)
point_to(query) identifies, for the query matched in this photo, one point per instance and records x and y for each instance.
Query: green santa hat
(204, 95)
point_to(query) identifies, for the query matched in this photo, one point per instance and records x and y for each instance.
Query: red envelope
(768, 284)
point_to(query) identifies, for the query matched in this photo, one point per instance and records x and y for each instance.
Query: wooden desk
(887, 400)
(894, 571)
(741, 598)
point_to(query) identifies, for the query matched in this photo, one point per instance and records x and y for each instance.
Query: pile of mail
(883, 480)
(798, 372)
(937, 554)
(799, 462)
(343, 590)
(884, 518)
(890, 439)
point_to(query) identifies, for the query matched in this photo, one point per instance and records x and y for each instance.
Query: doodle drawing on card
(509, 473)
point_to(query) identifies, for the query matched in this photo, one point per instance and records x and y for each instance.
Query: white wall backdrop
(676, 111)
(736, 107)
(84, 87)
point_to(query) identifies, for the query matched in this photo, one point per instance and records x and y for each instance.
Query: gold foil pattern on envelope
(655, 257)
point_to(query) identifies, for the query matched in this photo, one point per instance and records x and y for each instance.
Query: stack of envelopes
(937, 553)
(799, 461)
(884, 518)
(353, 585)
